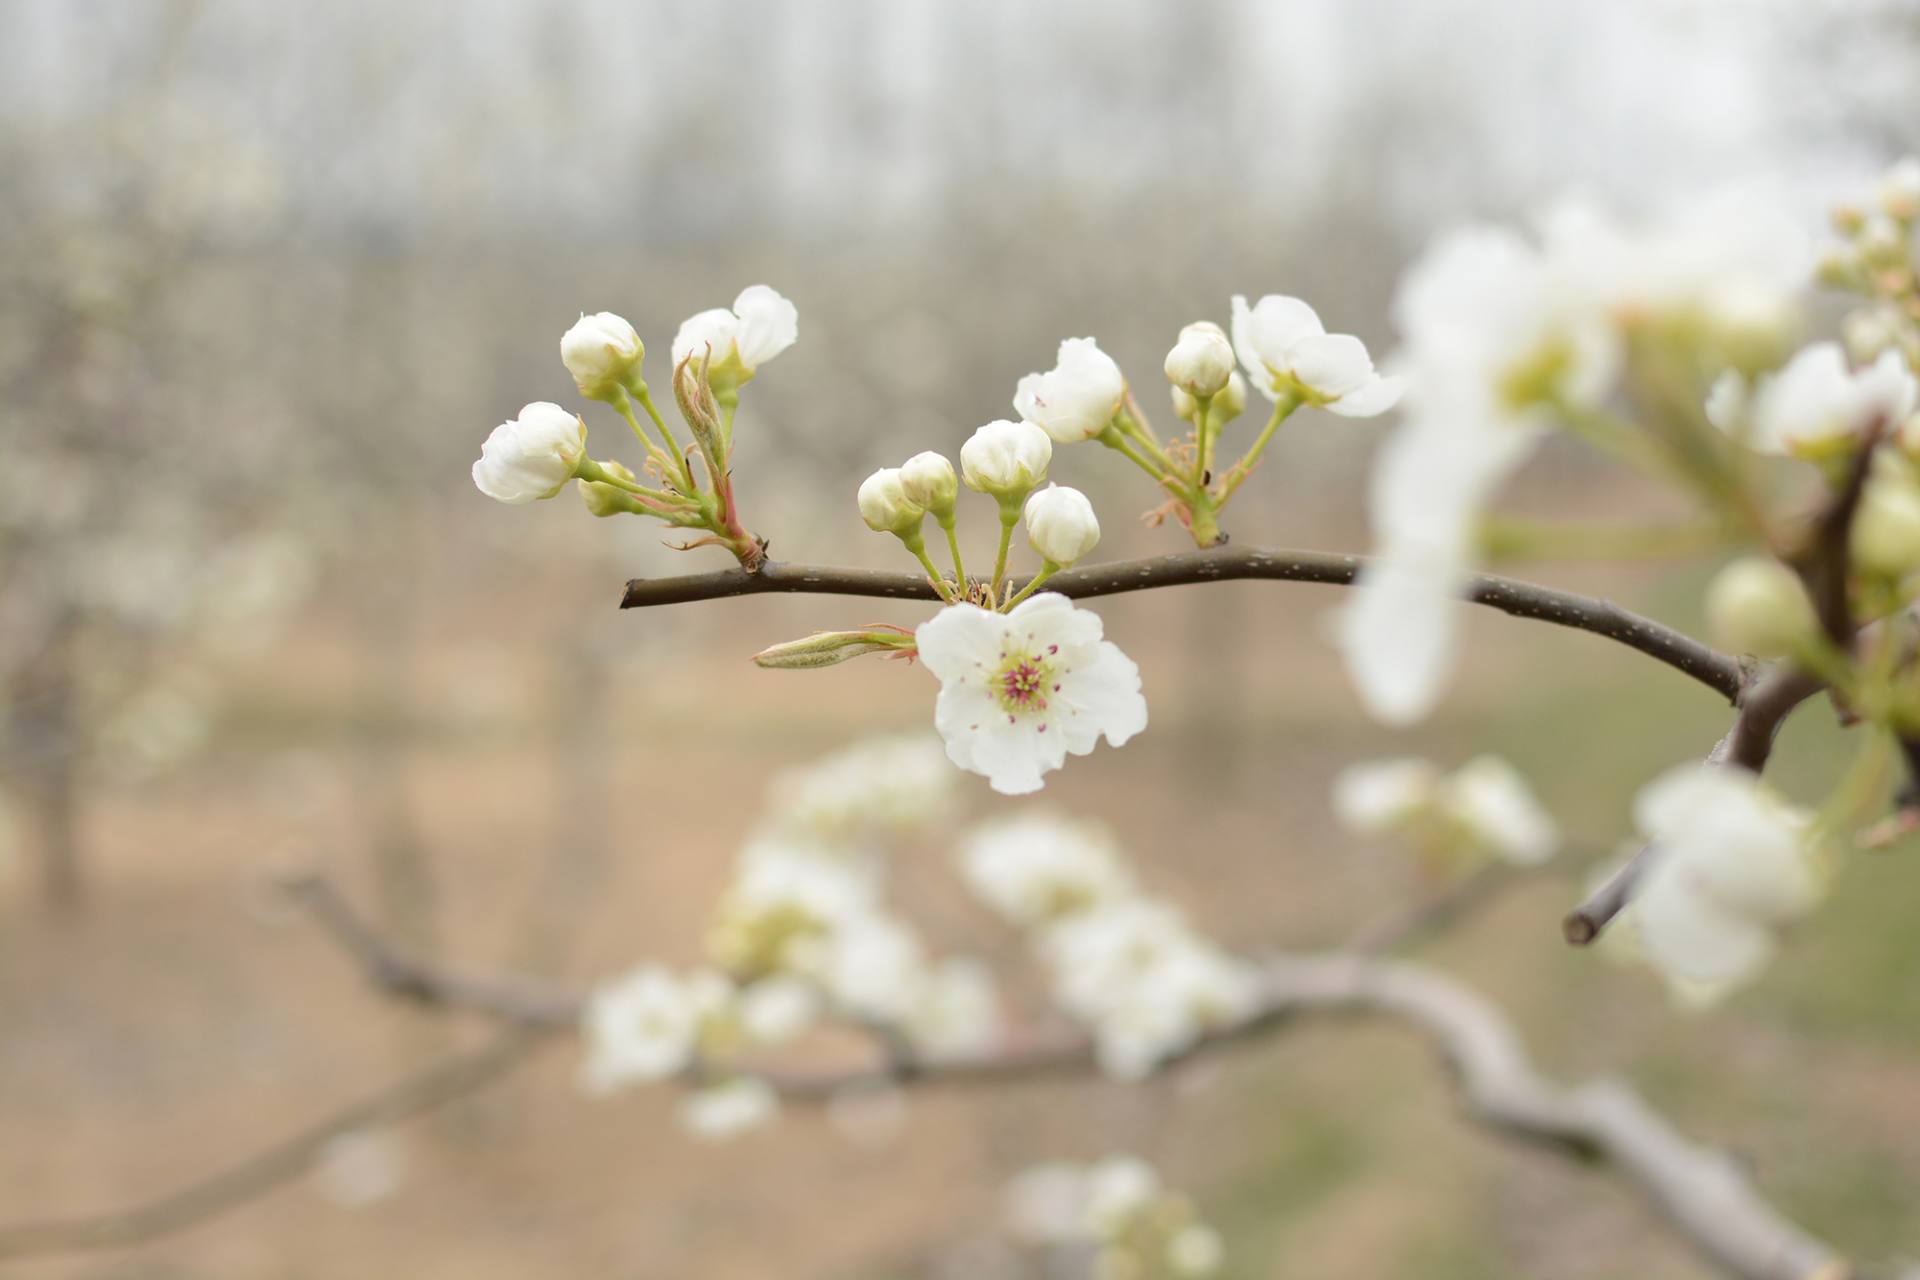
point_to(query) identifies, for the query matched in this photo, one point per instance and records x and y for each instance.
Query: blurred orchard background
(271, 272)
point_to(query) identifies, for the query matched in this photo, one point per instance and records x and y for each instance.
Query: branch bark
(1221, 564)
(260, 1173)
(1702, 1193)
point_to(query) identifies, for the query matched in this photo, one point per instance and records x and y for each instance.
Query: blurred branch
(260, 1173)
(1520, 599)
(1763, 706)
(1702, 1193)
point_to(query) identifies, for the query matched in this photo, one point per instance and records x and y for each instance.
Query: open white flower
(1731, 864)
(639, 1028)
(760, 326)
(533, 456)
(1019, 691)
(1815, 406)
(1038, 867)
(1077, 398)
(1287, 351)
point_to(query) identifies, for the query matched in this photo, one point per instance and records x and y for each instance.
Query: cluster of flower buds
(1123, 963)
(1137, 1228)
(534, 456)
(1483, 809)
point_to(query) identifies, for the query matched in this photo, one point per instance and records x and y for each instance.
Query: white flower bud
(1229, 403)
(533, 456)
(602, 352)
(605, 499)
(1885, 537)
(929, 481)
(1881, 241)
(1757, 605)
(1006, 459)
(1202, 360)
(1061, 524)
(885, 506)
(1077, 398)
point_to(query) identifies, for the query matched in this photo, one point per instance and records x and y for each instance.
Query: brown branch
(1221, 564)
(1700, 1192)
(1763, 707)
(260, 1173)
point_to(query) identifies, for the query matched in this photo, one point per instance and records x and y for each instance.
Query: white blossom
(1078, 397)
(601, 351)
(1061, 525)
(1020, 691)
(721, 1111)
(639, 1028)
(1287, 351)
(1501, 334)
(1815, 405)
(1006, 459)
(1378, 796)
(1035, 868)
(957, 1010)
(1885, 538)
(896, 783)
(760, 326)
(1731, 863)
(776, 1010)
(876, 968)
(533, 456)
(1117, 1190)
(1201, 361)
(1491, 800)
(780, 912)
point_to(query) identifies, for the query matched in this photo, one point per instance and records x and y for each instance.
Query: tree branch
(1700, 1192)
(1762, 708)
(1222, 564)
(260, 1173)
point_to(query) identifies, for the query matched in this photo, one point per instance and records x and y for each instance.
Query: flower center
(1024, 682)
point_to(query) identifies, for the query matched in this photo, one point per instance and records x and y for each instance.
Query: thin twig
(1703, 1194)
(261, 1172)
(1220, 564)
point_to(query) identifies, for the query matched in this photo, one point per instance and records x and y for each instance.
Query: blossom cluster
(1482, 809)
(801, 934)
(1124, 964)
(1119, 1208)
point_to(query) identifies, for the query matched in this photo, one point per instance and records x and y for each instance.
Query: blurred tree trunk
(47, 728)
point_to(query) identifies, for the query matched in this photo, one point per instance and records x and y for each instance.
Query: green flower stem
(668, 462)
(592, 471)
(728, 398)
(1201, 444)
(1282, 409)
(679, 456)
(1115, 440)
(953, 545)
(1009, 517)
(1047, 569)
(939, 580)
